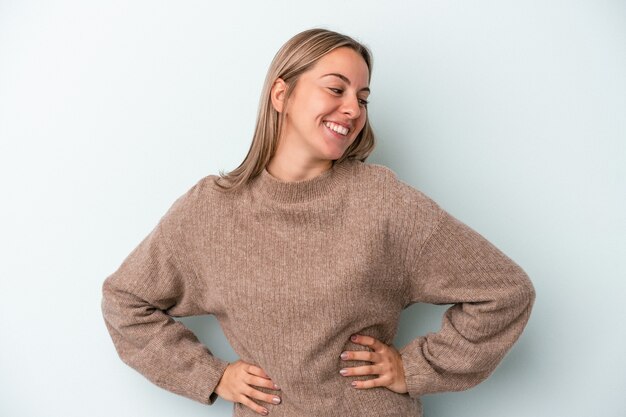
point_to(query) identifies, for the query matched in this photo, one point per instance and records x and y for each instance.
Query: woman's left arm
(444, 261)
(492, 298)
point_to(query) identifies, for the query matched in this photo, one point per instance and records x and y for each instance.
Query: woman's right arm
(156, 282)
(138, 302)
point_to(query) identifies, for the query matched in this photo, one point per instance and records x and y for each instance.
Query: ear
(277, 94)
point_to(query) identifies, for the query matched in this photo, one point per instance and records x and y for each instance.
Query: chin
(334, 154)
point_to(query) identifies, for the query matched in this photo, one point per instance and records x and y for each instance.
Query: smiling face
(327, 108)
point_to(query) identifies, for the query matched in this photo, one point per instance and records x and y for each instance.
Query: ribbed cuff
(418, 374)
(207, 378)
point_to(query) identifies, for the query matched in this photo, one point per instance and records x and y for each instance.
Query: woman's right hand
(237, 382)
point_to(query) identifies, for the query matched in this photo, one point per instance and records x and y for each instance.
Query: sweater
(292, 269)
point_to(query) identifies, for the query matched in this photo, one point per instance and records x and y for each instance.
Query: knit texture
(292, 269)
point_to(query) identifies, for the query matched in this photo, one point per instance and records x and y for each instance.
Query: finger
(361, 370)
(256, 370)
(361, 355)
(259, 381)
(262, 396)
(369, 383)
(253, 406)
(367, 341)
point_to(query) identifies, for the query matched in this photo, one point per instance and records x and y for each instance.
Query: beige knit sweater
(292, 269)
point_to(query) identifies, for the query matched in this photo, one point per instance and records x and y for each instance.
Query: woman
(307, 256)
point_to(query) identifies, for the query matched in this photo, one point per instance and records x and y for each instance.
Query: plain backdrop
(510, 114)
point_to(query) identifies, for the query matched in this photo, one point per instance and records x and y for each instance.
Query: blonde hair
(296, 56)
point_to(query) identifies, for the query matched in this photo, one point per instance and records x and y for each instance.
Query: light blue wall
(512, 115)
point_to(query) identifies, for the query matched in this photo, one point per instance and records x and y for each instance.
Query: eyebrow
(344, 78)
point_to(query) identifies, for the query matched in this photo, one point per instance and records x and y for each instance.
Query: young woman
(307, 255)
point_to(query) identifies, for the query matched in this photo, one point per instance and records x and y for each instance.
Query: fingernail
(343, 372)
(353, 383)
(276, 386)
(275, 400)
(353, 338)
(344, 355)
(264, 412)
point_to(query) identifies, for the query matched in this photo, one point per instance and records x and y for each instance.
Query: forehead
(344, 61)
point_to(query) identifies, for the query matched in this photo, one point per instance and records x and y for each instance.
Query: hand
(386, 363)
(237, 382)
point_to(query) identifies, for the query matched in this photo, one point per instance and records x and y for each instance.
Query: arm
(139, 299)
(492, 298)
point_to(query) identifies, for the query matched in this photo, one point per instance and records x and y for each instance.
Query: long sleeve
(450, 263)
(153, 284)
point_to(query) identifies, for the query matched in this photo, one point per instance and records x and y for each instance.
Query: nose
(351, 106)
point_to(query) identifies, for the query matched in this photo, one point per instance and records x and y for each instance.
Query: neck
(270, 188)
(290, 172)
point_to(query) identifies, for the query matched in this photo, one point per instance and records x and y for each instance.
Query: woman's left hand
(386, 363)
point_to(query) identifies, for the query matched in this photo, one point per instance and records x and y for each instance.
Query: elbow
(116, 307)
(527, 289)
(524, 299)
(110, 309)
(106, 296)
(531, 294)
(517, 300)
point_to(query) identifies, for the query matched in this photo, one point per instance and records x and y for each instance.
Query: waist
(336, 398)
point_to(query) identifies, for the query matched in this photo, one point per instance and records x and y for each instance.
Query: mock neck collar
(277, 190)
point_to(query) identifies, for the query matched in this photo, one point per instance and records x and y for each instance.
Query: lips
(341, 129)
(346, 125)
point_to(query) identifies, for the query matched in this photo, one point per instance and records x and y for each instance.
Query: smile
(336, 128)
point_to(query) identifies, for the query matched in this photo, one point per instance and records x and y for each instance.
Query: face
(328, 107)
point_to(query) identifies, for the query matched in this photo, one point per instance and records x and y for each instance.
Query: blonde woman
(307, 255)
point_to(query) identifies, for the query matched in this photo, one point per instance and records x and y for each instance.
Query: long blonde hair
(296, 56)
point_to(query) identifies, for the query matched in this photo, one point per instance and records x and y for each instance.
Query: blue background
(510, 114)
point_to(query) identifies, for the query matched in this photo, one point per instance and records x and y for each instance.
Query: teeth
(337, 128)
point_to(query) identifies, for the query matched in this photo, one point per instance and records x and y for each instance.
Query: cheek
(310, 108)
(360, 126)
(362, 120)
(321, 104)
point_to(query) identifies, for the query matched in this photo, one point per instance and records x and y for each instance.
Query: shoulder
(369, 171)
(370, 178)
(390, 183)
(405, 205)
(190, 205)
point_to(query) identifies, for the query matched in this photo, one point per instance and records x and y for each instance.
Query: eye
(363, 102)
